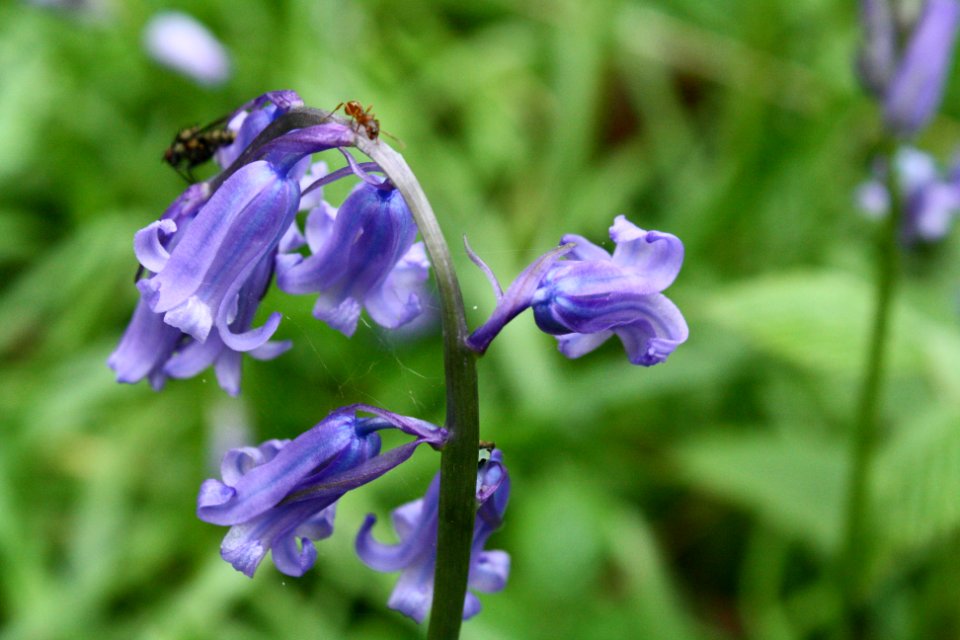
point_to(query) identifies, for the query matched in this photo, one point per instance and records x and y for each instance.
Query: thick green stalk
(858, 541)
(458, 464)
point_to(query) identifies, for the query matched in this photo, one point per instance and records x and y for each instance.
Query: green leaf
(657, 609)
(818, 320)
(795, 485)
(917, 481)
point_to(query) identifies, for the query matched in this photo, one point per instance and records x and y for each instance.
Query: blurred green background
(696, 499)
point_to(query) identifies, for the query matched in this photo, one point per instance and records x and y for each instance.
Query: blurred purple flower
(363, 256)
(877, 57)
(590, 296)
(908, 79)
(931, 199)
(282, 492)
(180, 42)
(415, 555)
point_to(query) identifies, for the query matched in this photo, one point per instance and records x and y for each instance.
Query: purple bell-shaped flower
(416, 554)
(282, 492)
(589, 295)
(363, 256)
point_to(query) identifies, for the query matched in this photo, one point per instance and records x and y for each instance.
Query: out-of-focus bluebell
(931, 196)
(416, 554)
(363, 256)
(906, 65)
(284, 492)
(583, 295)
(180, 42)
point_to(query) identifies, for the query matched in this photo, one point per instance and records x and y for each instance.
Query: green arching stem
(458, 463)
(857, 541)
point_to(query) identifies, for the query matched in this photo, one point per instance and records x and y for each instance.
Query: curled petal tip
(214, 493)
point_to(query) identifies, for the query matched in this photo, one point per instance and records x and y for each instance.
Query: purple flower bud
(284, 491)
(416, 554)
(179, 41)
(363, 256)
(590, 295)
(931, 200)
(909, 80)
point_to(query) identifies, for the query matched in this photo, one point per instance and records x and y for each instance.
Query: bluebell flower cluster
(210, 258)
(904, 60)
(583, 295)
(415, 555)
(931, 196)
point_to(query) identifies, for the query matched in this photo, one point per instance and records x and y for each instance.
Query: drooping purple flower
(197, 284)
(148, 343)
(211, 259)
(180, 42)
(282, 492)
(931, 199)
(363, 256)
(908, 79)
(589, 295)
(196, 356)
(151, 348)
(416, 553)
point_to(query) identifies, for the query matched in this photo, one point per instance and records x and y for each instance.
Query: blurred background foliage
(697, 499)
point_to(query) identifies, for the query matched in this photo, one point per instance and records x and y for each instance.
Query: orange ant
(363, 117)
